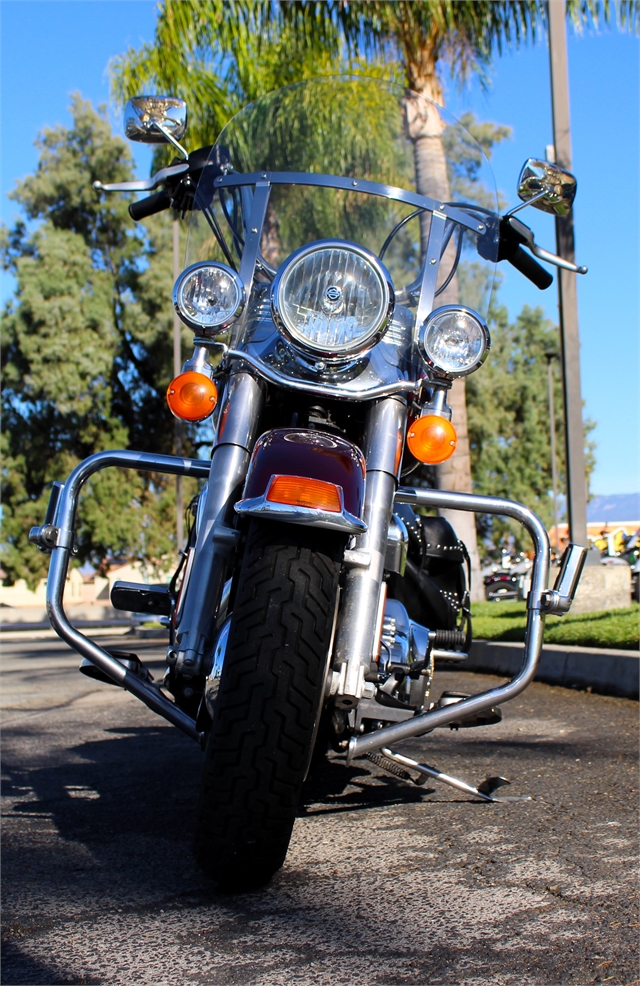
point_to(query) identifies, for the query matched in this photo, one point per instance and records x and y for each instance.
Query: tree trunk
(425, 129)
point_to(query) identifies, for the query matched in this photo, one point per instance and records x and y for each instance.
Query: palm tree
(219, 56)
(427, 37)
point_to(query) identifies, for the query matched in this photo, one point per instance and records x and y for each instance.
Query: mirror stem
(171, 139)
(523, 205)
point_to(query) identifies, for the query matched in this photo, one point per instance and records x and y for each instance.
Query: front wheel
(269, 701)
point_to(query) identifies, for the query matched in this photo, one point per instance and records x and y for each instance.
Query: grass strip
(617, 629)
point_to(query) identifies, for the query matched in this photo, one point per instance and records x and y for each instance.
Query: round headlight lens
(208, 296)
(454, 341)
(333, 298)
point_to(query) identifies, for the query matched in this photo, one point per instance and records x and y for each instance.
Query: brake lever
(526, 236)
(144, 185)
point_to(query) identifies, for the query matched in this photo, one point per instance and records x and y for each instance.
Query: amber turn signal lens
(192, 396)
(298, 491)
(432, 439)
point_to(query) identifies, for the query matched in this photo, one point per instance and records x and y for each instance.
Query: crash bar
(427, 721)
(65, 523)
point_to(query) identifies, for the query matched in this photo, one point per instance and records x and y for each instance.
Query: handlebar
(531, 269)
(512, 235)
(150, 206)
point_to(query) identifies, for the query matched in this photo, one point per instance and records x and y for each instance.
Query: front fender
(309, 455)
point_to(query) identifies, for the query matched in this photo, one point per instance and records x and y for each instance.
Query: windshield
(389, 157)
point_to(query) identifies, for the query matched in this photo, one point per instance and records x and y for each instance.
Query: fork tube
(217, 536)
(355, 642)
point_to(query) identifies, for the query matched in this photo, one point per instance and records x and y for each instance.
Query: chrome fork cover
(212, 683)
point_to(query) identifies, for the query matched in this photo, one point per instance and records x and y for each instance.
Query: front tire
(269, 701)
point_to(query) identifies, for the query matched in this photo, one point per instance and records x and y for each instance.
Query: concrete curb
(46, 625)
(608, 672)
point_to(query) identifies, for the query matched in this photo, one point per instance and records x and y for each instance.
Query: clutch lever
(526, 237)
(144, 185)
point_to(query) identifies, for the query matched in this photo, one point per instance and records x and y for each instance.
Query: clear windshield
(364, 130)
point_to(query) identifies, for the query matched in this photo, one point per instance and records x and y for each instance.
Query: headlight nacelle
(454, 341)
(332, 299)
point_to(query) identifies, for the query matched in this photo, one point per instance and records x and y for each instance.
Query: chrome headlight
(454, 341)
(208, 296)
(332, 298)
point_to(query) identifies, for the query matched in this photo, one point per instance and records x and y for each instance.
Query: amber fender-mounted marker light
(432, 439)
(192, 396)
(298, 491)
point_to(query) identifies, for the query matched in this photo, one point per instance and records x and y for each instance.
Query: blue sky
(52, 48)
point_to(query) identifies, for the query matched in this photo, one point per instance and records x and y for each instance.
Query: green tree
(87, 349)
(508, 408)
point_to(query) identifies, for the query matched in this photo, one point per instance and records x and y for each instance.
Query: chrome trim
(66, 509)
(212, 326)
(434, 366)
(259, 506)
(375, 334)
(355, 185)
(427, 721)
(309, 387)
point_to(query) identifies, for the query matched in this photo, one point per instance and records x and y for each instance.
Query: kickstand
(484, 791)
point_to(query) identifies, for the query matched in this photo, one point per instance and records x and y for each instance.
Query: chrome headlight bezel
(333, 355)
(432, 362)
(232, 313)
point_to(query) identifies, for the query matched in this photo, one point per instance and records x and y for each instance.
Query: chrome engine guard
(60, 536)
(539, 602)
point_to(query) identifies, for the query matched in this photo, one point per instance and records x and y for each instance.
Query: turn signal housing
(432, 439)
(192, 396)
(299, 491)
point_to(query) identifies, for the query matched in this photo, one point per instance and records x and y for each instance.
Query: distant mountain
(614, 509)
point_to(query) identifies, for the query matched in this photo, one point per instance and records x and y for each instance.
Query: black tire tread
(269, 698)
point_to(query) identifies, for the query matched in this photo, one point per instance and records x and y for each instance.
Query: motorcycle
(324, 285)
(509, 579)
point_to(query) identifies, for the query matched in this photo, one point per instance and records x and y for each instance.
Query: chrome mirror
(547, 187)
(156, 120)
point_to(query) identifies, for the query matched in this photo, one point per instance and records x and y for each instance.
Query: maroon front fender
(313, 454)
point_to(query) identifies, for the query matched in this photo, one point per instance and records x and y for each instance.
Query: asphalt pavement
(385, 883)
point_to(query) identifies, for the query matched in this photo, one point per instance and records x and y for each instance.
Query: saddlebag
(434, 588)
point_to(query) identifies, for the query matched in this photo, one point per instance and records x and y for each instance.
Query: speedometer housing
(332, 299)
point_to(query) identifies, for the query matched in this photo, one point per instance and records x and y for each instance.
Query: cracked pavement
(385, 883)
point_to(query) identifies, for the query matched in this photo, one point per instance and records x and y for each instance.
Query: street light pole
(567, 288)
(552, 428)
(177, 367)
